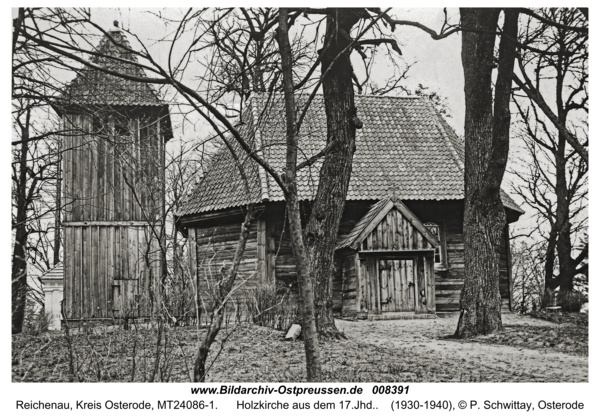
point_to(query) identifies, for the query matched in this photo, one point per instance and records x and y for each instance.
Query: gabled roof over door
(389, 226)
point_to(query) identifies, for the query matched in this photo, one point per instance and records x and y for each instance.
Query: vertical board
(109, 194)
(404, 287)
(383, 284)
(77, 274)
(143, 272)
(359, 283)
(372, 281)
(393, 223)
(271, 253)
(431, 284)
(124, 253)
(93, 174)
(66, 171)
(118, 184)
(68, 270)
(397, 285)
(76, 168)
(101, 279)
(367, 281)
(261, 253)
(100, 177)
(420, 286)
(132, 252)
(85, 274)
(379, 303)
(384, 233)
(85, 171)
(110, 268)
(390, 230)
(411, 268)
(192, 254)
(117, 274)
(93, 270)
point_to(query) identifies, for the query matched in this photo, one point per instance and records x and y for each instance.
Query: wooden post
(430, 282)
(359, 282)
(377, 272)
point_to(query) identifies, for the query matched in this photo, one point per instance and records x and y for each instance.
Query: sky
(437, 64)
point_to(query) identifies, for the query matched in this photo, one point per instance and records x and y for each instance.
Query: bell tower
(113, 182)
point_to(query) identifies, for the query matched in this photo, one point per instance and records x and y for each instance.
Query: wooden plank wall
(348, 298)
(280, 251)
(447, 215)
(448, 283)
(215, 249)
(112, 177)
(395, 233)
(97, 258)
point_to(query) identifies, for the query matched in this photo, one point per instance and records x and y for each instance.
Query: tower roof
(97, 88)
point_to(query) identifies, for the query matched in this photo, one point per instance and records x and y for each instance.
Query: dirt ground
(486, 356)
(528, 350)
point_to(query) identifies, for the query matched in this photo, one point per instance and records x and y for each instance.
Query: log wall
(280, 263)
(214, 252)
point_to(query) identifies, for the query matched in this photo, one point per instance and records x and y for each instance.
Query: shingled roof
(404, 146)
(95, 87)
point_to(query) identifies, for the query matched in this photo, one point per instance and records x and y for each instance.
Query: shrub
(271, 306)
(36, 322)
(547, 299)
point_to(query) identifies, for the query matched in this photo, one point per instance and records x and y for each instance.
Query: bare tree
(34, 167)
(553, 179)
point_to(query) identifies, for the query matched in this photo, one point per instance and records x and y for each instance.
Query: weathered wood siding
(280, 263)
(349, 282)
(448, 215)
(215, 249)
(113, 174)
(395, 233)
(279, 251)
(448, 283)
(110, 271)
(112, 177)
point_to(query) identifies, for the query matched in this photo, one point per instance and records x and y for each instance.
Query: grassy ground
(529, 349)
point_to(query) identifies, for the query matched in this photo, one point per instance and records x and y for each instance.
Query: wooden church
(400, 242)
(113, 181)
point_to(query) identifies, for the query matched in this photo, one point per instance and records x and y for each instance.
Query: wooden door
(397, 285)
(125, 298)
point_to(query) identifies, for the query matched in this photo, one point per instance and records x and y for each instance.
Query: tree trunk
(487, 126)
(307, 309)
(19, 259)
(322, 228)
(57, 229)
